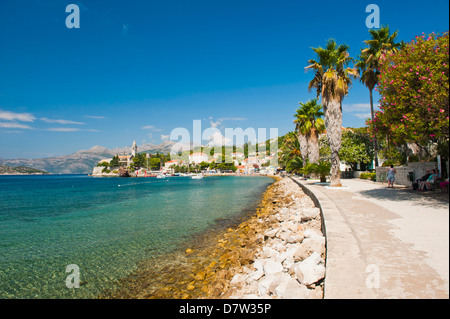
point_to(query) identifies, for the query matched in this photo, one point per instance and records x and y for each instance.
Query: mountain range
(82, 162)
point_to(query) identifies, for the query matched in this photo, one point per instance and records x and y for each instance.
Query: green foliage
(393, 156)
(294, 165)
(290, 148)
(322, 168)
(115, 161)
(371, 176)
(309, 117)
(155, 163)
(356, 147)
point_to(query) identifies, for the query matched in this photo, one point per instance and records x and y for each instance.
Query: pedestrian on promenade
(391, 176)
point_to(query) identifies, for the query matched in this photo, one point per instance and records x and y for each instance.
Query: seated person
(427, 183)
(425, 177)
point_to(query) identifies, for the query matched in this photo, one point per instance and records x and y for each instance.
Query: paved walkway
(384, 243)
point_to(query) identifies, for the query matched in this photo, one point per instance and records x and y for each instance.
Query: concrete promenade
(383, 242)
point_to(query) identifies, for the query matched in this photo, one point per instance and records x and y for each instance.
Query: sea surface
(105, 227)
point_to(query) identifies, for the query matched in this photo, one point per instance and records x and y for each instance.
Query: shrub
(371, 176)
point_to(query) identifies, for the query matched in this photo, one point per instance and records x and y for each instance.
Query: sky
(136, 70)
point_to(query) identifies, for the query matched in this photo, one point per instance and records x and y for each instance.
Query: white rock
(255, 276)
(269, 252)
(283, 235)
(272, 266)
(309, 213)
(288, 262)
(289, 226)
(238, 280)
(289, 288)
(309, 271)
(271, 233)
(295, 238)
(311, 233)
(259, 264)
(264, 284)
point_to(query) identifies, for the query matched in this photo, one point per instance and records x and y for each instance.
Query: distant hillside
(20, 170)
(83, 161)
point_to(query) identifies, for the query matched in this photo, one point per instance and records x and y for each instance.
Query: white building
(197, 158)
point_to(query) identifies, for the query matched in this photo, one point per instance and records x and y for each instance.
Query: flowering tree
(414, 89)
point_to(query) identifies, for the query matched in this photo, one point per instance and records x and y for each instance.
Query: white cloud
(362, 115)
(47, 120)
(94, 117)
(222, 119)
(15, 125)
(63, 129)
(151, 128)
(358, 107)
(12, 116)
(217, 139)
(164, 137)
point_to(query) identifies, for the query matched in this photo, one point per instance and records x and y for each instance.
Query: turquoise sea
(105, 226)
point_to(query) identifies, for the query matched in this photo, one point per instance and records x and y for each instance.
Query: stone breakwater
(279, 253)
(286, 252)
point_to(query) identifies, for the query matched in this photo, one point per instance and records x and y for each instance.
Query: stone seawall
(285, 251)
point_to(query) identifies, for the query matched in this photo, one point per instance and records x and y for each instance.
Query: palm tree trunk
(333, 123)
(303, 141)
(375, 151)
(313, 147)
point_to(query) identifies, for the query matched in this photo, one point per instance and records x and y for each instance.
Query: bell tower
(134, 149)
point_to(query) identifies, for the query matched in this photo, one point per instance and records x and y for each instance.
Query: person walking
(391, 176)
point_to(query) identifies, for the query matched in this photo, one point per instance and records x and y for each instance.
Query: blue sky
(136, 70)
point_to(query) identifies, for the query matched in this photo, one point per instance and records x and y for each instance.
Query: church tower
(134, 149)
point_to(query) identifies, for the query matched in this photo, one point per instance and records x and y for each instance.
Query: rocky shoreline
(282, 250)
(278, 253)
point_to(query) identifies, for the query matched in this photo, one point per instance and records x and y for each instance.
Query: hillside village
(208, 160)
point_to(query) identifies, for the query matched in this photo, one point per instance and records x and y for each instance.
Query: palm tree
(295, 165)
(332, 81)
(368, 64)
(309, 124)
(290, 148)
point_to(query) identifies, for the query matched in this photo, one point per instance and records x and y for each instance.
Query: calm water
(105, 226)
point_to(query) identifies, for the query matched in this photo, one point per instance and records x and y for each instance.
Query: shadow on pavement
(431, 198)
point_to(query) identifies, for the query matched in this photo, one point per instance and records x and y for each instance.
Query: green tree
(155, 163)
(115, 161)
(381, 43)
(294, 165)
(289, 148)
(356, 147)
(414, 88)
(309, 124)
(332, 81)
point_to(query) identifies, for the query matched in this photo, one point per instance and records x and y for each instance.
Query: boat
(197, 176)
(161, 176)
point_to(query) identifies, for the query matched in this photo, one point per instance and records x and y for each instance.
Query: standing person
(391, 176)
